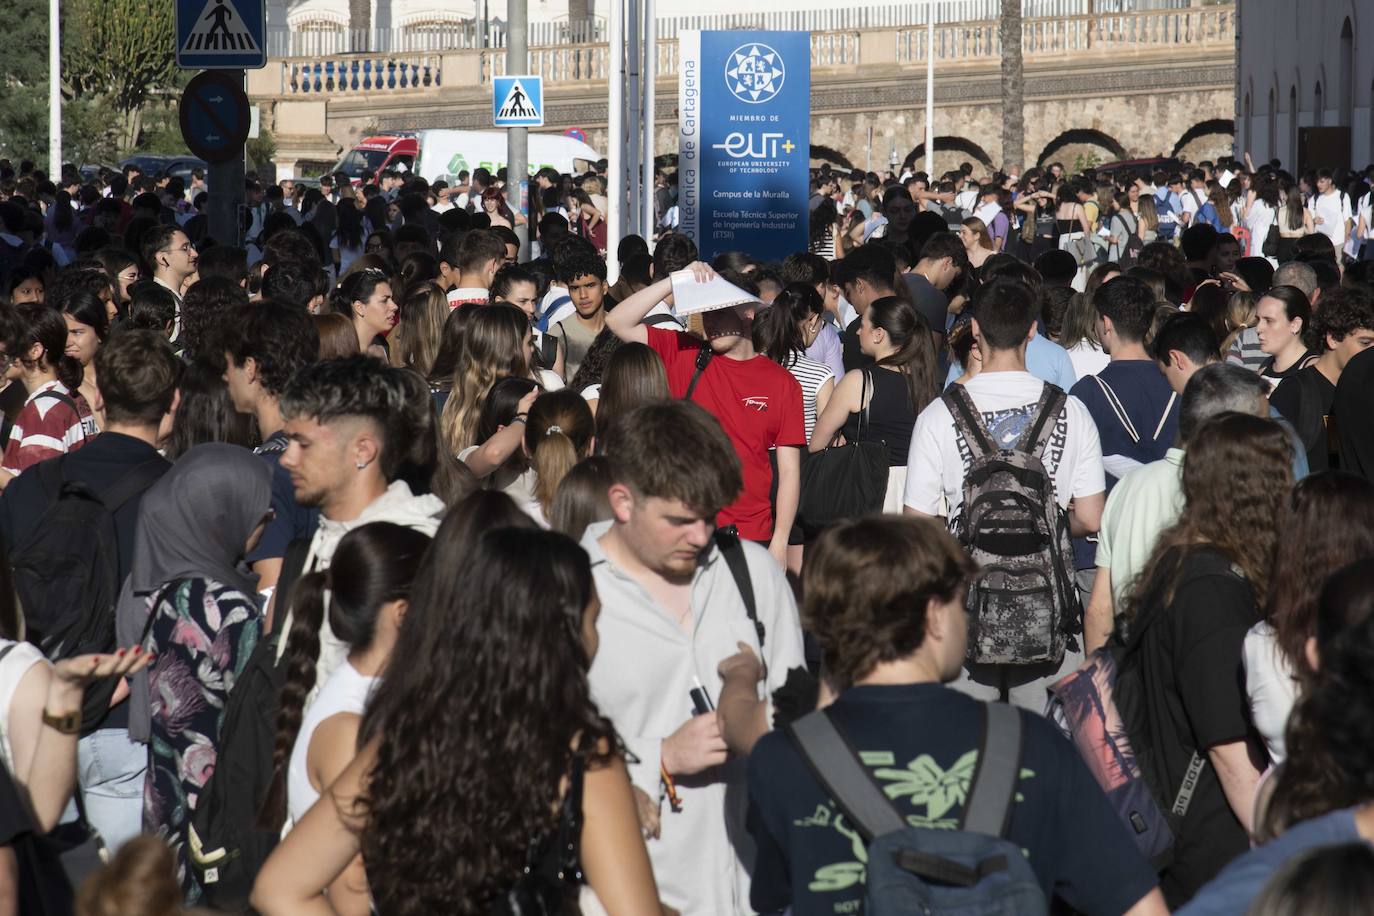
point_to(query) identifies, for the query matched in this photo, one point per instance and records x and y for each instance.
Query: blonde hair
(559, 433)
(980, 229)
(1240, 314)
(415, 342)
(1149, 214)
(493, 347)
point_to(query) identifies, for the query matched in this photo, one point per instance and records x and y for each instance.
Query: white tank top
(16, 663)
(345, 691)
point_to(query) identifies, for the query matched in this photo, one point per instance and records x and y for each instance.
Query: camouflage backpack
(1023, 603)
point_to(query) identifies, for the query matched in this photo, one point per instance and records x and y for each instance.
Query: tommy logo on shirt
(756, 402)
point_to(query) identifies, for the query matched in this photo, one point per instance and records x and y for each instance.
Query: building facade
(1304, 65)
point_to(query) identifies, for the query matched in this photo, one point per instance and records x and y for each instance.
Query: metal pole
(615, 136)
(224, 199)
(54, 91)
(633, 115)
(650, 70)
(517, 138)
(930, 91)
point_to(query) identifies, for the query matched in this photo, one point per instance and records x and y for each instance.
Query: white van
(442, 154)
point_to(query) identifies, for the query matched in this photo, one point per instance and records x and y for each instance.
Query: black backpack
(227, 846)
(66, 571)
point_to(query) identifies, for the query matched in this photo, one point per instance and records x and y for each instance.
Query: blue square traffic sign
(517, 101)
(221, 34)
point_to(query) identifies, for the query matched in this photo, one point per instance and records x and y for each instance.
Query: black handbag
(553, 878)
(844, 481)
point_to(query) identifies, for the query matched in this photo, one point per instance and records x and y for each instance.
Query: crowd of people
(373, 566)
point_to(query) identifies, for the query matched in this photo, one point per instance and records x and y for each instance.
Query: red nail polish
(119, 652)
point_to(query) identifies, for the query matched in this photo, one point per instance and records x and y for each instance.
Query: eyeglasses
(188, 247)
(5, 362)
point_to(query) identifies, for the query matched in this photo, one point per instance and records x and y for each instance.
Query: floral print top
(203, 633)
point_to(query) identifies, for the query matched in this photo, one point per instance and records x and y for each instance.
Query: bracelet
(521, 418)
(68, 723)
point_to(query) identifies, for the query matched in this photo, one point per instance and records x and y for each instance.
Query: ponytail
(302, 652)
(558, 433)
(777, 328)
(915, 355)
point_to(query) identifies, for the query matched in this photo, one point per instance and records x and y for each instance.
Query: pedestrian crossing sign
(517, 101)
(221, 34)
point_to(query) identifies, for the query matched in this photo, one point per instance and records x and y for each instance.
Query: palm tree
(359, 24)
(1013, 89)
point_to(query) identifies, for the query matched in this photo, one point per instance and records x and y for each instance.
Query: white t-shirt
(1261, 217)
(1333, 209)
(1088, 358)
(939, 456)
(1367, 214)
(1270, 686)
(346, 691)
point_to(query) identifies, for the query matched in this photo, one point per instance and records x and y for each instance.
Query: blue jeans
(110, 772)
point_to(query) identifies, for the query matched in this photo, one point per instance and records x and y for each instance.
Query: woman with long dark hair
(365, 299)
(514, 781)
(496, 343)
(347, 243)
(882, 403)
(87, 327)
(1276, 663)
(783, 331)
(1187, 615)
(368, 588)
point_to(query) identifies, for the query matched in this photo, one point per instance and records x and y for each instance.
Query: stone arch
(832, 156)
(1082, 137)
(1207, 128)
(946, 145)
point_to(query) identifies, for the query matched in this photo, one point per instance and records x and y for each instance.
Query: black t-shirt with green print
(920, 742)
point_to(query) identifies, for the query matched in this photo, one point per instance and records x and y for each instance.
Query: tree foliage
(123, 50)
(24, 82)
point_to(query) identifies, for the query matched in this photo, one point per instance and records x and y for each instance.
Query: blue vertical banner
(744, 135)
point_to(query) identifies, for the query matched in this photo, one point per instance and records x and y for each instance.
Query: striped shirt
(1245, 350)
(811, 375)
(46, 427)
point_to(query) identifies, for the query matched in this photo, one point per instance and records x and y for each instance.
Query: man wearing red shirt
(757, 402)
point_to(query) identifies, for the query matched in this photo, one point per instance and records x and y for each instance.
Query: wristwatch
(68, 723)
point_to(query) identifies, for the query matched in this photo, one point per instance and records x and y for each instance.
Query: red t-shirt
(758, 404)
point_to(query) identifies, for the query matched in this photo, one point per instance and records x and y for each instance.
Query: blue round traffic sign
(215, 116)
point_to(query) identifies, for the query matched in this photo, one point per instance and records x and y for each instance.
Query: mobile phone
(701, 702)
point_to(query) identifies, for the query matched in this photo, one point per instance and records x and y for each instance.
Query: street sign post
(221, 34)
(215, 116)
(517, 101)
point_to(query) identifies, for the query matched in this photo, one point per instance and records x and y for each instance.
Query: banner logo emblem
(754, 73)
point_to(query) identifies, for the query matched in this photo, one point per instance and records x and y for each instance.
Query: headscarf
(1354, 413)
(192, 524)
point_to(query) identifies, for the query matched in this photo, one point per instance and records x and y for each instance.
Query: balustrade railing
(570, 63)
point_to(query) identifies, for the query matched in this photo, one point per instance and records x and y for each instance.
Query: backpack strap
(1038, 431)
(836, 765)
(993, 789)
(703, 360)
(134, 482)
(59, 396)
(733, 552)
(1119, 409)
(967, 420)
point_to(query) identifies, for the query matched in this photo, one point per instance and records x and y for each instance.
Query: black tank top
(891, 416)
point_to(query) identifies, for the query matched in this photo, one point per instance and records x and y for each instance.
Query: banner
(744, 135)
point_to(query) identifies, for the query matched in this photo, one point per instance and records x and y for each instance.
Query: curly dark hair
(1298, 575)
(460, 788)
(203, 310)
(1331, 730)
(1237, 475)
